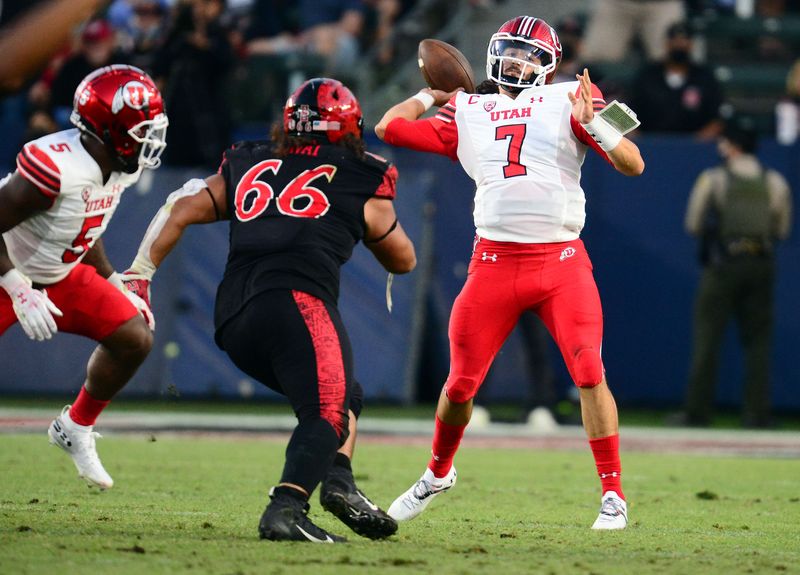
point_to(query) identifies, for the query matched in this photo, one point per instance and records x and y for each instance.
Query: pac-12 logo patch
(489, 106)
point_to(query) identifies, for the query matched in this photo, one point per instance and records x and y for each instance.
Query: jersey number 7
(515, 133)
(253, 196)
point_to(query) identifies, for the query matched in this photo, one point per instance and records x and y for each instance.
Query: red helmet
(323, 107)
(516, 45)
(121, 106)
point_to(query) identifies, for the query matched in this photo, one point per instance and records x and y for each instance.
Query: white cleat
(613, 512)
(79, 442)
(416, 499)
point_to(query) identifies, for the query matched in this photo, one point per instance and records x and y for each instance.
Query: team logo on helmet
(133, 94)
(489, 106)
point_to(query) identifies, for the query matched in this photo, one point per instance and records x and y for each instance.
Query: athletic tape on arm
(142, 264)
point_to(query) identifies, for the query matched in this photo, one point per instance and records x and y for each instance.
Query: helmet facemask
(517, 63)
(152, 137)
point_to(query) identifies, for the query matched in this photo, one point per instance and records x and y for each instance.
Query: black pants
(740, 289)
(296, 344)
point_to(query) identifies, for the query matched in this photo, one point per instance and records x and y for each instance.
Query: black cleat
(340, 496)
(286, 519)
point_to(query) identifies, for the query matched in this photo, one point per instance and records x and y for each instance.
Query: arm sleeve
(438, 135)
(598, 103)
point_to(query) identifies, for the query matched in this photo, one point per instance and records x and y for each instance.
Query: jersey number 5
(253, 196)
(516, 134)
(81, 242)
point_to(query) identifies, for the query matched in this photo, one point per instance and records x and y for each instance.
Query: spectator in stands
(273, 29)
(738, 210)
(141, 25)
(787, 110)
(384, 13)
(332, 28)
(96, 48)
(570, 32)
(615, 23)
(194, 65)
(677, 95)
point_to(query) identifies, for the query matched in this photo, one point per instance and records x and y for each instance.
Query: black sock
(310, 452)
(341, 460)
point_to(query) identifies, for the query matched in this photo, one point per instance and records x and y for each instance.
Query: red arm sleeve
(580, 132)
(438, 135)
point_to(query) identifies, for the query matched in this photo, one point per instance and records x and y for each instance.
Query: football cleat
(286, 519)
(79, 442)
(613, 512)
(340, 496)
(418, 497)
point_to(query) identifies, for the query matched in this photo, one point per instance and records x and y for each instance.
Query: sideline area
(416, 432)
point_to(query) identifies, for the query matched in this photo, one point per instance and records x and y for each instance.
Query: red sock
(446, 439)
(609, 468)
(86, 408)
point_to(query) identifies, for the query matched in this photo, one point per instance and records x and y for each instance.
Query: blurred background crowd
(226, 66)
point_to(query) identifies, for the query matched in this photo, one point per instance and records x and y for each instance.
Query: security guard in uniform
(738, 210)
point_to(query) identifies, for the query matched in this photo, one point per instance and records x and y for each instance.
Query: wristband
(603, 133)
(425, 99)
(12, 280)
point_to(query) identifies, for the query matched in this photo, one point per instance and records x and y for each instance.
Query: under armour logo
(566, 253)
(612, 474)
(486, 256)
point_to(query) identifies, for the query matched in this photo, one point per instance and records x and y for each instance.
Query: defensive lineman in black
(297, 206)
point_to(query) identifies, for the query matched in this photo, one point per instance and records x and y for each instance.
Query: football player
(523, 143)
(53, 269)
(297, 206)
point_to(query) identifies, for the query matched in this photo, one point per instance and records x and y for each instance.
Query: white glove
(123, 283)
(33, 308)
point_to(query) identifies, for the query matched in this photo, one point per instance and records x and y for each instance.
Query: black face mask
(679, 56)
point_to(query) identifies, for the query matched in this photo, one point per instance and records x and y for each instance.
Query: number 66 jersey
(294, 219)
(46, 246)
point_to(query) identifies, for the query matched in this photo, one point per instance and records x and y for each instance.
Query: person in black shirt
(297, 206)
(676, 95)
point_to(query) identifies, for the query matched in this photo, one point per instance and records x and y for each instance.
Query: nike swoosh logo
(369, 503)
(312, 538)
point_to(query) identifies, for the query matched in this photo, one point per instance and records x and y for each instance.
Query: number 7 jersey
(524, 154)
(46, 246)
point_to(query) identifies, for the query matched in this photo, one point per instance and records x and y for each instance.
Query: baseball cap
(97, 31)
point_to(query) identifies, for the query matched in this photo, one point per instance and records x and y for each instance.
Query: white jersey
(525, 156)
(48, 245)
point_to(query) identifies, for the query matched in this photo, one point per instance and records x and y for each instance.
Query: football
(444, 67)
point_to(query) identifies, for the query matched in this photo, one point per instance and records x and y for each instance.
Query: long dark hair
(283, 143)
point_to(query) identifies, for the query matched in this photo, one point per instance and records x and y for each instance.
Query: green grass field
(191, 505)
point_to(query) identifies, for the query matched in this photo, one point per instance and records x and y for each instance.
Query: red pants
(504, 279)
(92, 307)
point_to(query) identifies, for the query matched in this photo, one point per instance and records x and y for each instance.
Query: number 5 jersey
(46, 246)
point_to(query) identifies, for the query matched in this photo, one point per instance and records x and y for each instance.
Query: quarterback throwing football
(523, 141)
